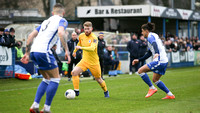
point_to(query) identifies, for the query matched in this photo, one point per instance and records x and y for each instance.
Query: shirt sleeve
(63, 23)
(151, 39)
(79, 44)
(38, 28)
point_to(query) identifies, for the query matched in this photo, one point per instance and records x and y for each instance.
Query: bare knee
(99, 80)
(140, 71)
(155, 80)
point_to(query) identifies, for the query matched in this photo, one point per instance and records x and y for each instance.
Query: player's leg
(75, 76)
(96, 72)
(70, 69)
(142, 72)
(40, 92)
(162, 86)
(52, 87)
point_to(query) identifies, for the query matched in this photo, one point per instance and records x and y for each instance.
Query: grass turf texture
(127, 95)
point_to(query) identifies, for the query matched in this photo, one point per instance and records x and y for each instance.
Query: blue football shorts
(44, 61)
(158, 67)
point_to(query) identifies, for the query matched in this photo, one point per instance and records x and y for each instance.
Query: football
(70, 94)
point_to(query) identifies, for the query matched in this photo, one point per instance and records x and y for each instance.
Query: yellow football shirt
(89, 46)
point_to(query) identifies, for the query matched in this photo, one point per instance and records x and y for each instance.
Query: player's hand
(155, 56)
(78, 47)
(74, 55)
(67, 57)
(135, 61)
(25, 59)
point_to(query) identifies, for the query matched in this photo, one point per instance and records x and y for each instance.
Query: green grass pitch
(127, 95)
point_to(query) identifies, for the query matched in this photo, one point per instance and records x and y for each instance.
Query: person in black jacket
(53, 49)
(2, 40)
(101, 47)
(142, 50)
(133, 47)
(109, 60)
(74, 60)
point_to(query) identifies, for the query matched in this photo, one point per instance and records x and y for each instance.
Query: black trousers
(70, 67)
(136, 66)
(101, 65)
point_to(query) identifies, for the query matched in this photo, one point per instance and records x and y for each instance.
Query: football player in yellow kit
(88, 42)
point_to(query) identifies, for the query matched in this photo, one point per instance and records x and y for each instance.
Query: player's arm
(152, 41)
(61, 34)
(146, 56)
(31, 36)
(92, 47)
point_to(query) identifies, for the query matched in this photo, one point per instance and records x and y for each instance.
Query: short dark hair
(148, 26)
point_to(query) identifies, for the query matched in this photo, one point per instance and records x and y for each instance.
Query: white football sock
(152, 87)
(46, 107)
(35, 105)
(170, 93)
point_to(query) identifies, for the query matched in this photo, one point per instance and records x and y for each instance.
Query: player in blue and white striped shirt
(41, 55)
(159, 63)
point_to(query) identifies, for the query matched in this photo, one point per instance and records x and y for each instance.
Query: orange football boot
(169, 97)
(151, 92)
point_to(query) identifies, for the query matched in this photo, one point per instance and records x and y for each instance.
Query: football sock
(51, 90)
(76, 82)
(46, 107)
(41, 90)
(152, 87)
(162, 86)
(103, 86)
(35, 105)
(146, 79)
(170, 93)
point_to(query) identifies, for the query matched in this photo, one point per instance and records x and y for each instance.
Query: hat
(101, 33)
(12, 29)
(1, 29)
(6, 30)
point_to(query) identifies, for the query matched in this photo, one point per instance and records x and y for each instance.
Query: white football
(70, 94)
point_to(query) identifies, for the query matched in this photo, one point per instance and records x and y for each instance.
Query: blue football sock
(146, 79)
(162, 86)
(41, 90)
(51, 90)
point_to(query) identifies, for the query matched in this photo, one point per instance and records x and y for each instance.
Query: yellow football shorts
(94, 69)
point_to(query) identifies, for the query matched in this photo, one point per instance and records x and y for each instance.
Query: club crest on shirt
(89, 41)
(65, 23)
(95, 41)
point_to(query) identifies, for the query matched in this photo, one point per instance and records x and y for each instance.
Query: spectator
(53, 49)
(108, 59)
(142, 49)
(101, 47)
(133, 48)
(197, 45)
(2, 40)
(9, 36)
(182, 46)
(18, 50)
(74, 60)
(189, 45)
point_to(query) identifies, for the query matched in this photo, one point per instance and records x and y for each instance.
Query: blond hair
(58, 8)
(87, 24)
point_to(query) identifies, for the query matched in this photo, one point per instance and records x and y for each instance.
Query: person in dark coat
(74, 60)
(101, 47)
(133, 47)
(142, 50)
(109, 60)
(2, 40)
(53, 49)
